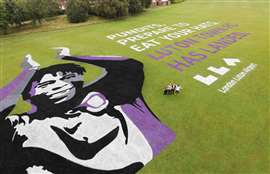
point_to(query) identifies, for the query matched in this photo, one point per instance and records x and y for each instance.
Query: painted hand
(62, 52)
(29, 63)
(95, 102)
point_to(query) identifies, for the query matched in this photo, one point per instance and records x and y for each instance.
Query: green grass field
(216, 133)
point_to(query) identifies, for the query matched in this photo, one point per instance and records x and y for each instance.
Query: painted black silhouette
(102, 127)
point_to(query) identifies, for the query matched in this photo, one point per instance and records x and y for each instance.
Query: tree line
(79, 10)
(14, 13)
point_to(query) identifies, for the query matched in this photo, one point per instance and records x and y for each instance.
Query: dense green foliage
(15, 11)
(77, 11)
(19, 11)
(146, 3)
(112, 8)
(53, 8)
(3, 18)
(135, 6)
(37, 10)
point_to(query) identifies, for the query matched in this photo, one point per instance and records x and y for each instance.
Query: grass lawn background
(216, 133)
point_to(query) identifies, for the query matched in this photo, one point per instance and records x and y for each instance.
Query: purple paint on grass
(157, 134)
(33, 90)
(5, 91)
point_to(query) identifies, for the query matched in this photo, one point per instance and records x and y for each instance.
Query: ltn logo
(210, 79)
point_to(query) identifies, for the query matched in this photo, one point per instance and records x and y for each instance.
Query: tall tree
(146, 3)
(112, 8)
(15, 13)
(3, 18)
(53, 8)
(77, 11)
(135, 6)
(37, 10)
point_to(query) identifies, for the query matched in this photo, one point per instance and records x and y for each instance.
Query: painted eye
(42, 86)
(45, 84)
(68, 76)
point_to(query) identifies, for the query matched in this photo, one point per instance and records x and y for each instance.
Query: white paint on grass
(206, 80)
(37, 170)
(115, 155)
(231, 61)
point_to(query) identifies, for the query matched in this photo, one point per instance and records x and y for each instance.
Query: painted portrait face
(58, 87)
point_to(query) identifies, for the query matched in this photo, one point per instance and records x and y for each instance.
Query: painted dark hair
(68, 67)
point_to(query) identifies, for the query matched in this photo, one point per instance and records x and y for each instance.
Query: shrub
(135, 6)
(146, 3)
(15, 12)
(112, 8)
(53, 8)
(37, 10)
(77, 11)
(91, 7)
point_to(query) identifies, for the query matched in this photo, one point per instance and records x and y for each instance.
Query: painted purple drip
(5, 91)
(33, 108)
(102, 58)
(33, 90)
(157, 134)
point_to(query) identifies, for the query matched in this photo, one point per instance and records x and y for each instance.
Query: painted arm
(123, 81)
(10, 93)
(110, 63)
